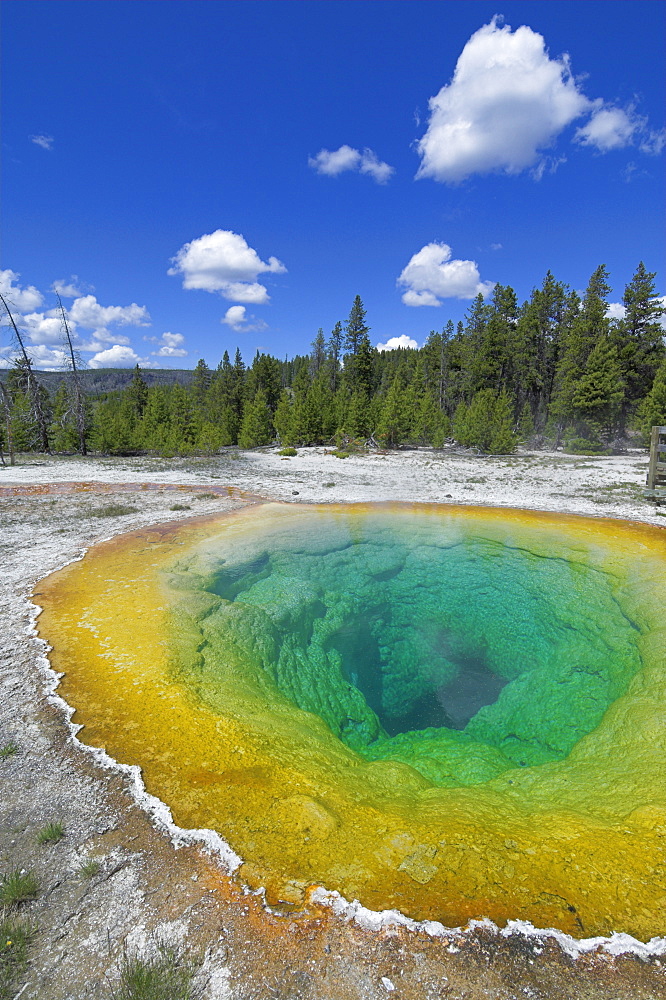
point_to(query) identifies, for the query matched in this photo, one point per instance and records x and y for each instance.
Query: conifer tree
(334, 354)
(652, 411)
(318, 353)
(256, 428)
(201, 381)
(394, 421)
(598, 396)
(64, 432)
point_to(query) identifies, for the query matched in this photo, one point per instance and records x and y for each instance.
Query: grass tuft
(166, 976)
(51, 833)
(180, 506)
(9, 750)
(89, 868)
(114, 510)
(288, 452)
(15, 937)
(205, 496)
(17, 887)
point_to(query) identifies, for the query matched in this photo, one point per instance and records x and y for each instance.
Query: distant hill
(98, 380)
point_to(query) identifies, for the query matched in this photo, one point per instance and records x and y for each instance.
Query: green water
(461, 656)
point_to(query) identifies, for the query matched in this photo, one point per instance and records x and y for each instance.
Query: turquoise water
(461, 656)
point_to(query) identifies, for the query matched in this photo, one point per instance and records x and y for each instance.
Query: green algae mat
(454, 712)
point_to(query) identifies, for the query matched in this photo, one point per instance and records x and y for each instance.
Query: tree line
(554, 371)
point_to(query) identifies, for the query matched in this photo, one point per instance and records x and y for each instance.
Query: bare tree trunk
(33, 385)
(7, 405)
(79, 397)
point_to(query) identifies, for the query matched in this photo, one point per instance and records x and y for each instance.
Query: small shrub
(15, 937)
(180, 506)
(9, 750)
(328, 484)
(288, 452)
(582, 446)
(166, 976)
(114, 510)
(341, 454)
(89, 868)
(17, 887)
(206, 496)
(51, 833)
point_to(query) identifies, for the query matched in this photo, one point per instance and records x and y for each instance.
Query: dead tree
(78, 395)
(32, 385)
(7, 407)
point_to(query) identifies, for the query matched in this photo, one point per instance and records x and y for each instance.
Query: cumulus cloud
(432, 275)
(169, 346)
(87, 312)
(393, 343)
(118, 356)
(71, 289)
(223, 262)
(608, 128)
(615, 310)
(331, 163)
(507, 102)
(45, 141)
(506, 105)
(17, 297)
(238, 320)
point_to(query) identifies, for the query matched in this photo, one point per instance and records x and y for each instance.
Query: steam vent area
(452, 712)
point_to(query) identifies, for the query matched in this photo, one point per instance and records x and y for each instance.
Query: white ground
(598, 487)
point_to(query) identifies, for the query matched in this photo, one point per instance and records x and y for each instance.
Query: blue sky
(197, 175)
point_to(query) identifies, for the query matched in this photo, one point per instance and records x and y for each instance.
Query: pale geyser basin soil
(146, 887)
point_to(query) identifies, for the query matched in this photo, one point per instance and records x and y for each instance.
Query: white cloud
(496, 246)
(87, 312)
(393, 343)
(608, 128)
(117, 356)
(43, 327)
(653, 142)
(431, 275)
(223, 262)
(507, 101)
(615, 310)
(238, 320)
(71, 289)
(18, 298)
(170, 346)
(331, 163)
(45, 141)
(506, 105)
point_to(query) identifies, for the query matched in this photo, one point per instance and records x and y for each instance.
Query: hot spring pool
(454, 712)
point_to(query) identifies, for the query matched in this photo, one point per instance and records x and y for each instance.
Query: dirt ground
(148, 889)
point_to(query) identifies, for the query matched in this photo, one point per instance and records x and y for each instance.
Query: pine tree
(600, 391)
(256, 429)
(394, 422)
(502, 438)
(318, 353)
(652, 411)
(334, 354)
(356, 327)
(639, 336)
(64, 431)
(201, 381)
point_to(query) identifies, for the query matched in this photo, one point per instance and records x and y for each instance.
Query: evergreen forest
(554, 371)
